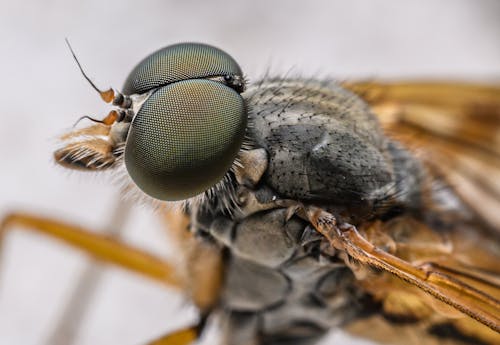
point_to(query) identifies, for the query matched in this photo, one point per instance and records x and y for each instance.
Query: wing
(454, 127)
(455, 130)
(461, 264)
(449, 271)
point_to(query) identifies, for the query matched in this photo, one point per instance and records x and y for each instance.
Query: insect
(302, 205)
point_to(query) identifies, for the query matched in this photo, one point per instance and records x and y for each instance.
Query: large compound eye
(180, 62)
(185, 138)
(188, 132)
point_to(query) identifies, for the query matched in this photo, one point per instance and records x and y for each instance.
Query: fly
(303, 205)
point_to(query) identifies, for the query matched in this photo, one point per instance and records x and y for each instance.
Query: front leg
(449, 289)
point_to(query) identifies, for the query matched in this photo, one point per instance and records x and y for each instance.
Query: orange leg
(107, 250)
(100, 247)
(182, 337)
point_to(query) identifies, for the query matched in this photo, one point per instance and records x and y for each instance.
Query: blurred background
(42, 94)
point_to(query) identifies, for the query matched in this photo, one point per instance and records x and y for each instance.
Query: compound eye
(180, 62)
(185, 138)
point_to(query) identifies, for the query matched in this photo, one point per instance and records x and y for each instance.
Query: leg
(108, 250)
(185, 336)
(451, 290)
(202, 262)
(77, 305)
(99, 246)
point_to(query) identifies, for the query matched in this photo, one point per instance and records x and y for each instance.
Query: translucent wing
(461, 264)
(455, 129)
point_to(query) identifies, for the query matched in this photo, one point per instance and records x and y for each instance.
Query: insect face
(180, 123)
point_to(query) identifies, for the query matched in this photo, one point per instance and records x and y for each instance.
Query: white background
(42, 94)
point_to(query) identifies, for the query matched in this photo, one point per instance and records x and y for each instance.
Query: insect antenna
(88, 118)
(108, 120)
(108, 95)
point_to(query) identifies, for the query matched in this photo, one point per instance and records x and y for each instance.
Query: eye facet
(187, 133)
(180, 62)
(184, 138)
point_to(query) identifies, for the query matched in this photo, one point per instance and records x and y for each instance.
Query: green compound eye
(187, 134)
(185, 138)
(180, 62)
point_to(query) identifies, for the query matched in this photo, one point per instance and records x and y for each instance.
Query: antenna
(107, 95)
(88, 118)
(111, 118)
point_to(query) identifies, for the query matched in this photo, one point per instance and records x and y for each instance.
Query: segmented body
(284, 283)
